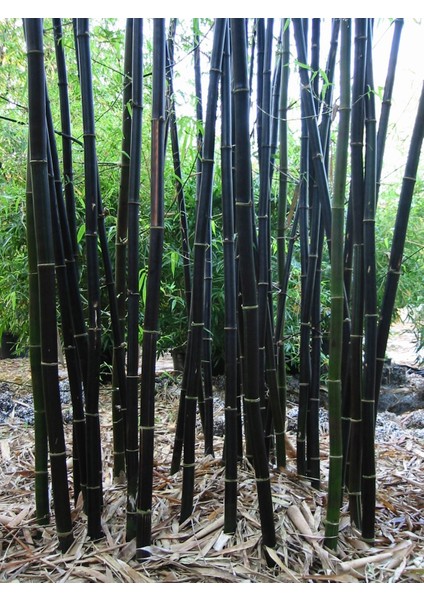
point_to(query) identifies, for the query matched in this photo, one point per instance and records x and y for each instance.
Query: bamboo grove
(325, 216)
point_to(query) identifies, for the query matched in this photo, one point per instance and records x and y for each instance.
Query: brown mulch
(199, 551)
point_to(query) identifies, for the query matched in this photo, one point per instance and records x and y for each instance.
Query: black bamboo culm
(335, 482)
(46, 278)
(67, 210)
(42, 504)
(244, 209)
(68, 174)
(230, 292)
(118, 403)
(94, 460)
(353, 454)
(179, 187)
(281, 217)
(386, 103)
(132, 431)
(398, 241)
(194, 350)
(368, 488)
(304, 354)
(317, 155)
(151, 316)
(65, 278)
(185, 246)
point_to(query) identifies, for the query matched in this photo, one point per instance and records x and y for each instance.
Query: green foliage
(410, 293)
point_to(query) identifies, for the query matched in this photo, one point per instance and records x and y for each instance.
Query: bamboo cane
(42, 505)
(132, 432)
(368, 490)
(119, 404)
(357, 312)
(230, 291)
(247, 278)
(398, 241)
(337, 297)
(151, 316)
(94, 462)
(46, 278)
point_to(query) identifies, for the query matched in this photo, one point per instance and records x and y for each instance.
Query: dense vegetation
(236, 215)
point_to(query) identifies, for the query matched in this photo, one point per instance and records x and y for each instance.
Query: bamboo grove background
(323, 218)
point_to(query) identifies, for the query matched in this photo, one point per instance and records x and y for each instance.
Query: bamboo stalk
(197, 312)
(46, 278)
(132, 430)
(151, 316)
(368, 490)
(64, 273)
(337, 297)
(281, 218)
(247, 278)
(387, 98)
(230, 292)
(42, 505)
(68, 175)
(398, 241)
(94, 462)
(354, 450)
(119, 404)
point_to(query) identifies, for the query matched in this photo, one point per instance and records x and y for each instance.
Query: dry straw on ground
(199, 551)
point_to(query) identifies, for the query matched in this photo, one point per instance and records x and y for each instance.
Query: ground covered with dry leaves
(199, 551)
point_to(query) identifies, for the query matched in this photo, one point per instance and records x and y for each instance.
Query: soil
(199, 551)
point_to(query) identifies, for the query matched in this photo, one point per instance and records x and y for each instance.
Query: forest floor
(198, 551)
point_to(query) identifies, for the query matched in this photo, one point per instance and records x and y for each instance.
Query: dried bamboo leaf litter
(199, 551)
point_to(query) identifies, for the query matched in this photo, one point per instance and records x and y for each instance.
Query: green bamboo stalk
(119, 404)
(248, 279)
(151, 316)
(197, 311)
(46, 278)
(94, 459)
(42, 504)
(335, 481)
(368, 491)
(398, 241)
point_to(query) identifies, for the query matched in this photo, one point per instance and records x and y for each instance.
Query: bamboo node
(261, 479)
(251, 400)
(63, 534)
(57, 454)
